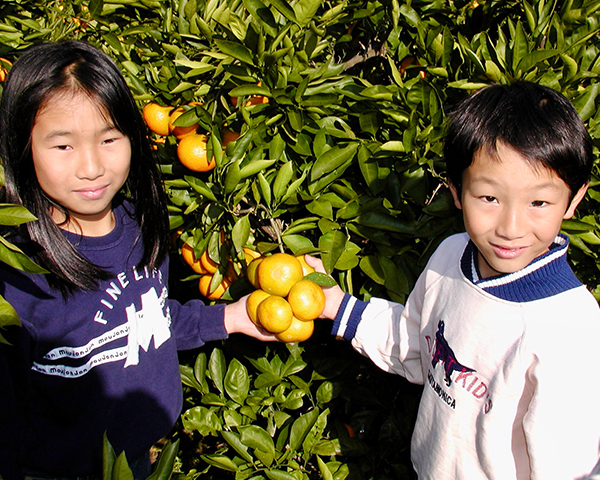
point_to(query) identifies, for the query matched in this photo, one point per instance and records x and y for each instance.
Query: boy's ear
(577, 198)
(456, 196)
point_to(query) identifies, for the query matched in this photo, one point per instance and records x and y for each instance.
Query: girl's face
(81, 161)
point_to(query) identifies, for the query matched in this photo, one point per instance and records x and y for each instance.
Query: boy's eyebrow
(490, 181)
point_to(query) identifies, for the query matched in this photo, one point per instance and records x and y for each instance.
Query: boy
(498, 328)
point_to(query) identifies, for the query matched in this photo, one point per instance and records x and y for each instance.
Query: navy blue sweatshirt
(97, 361)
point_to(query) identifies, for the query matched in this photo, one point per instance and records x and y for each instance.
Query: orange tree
(322, 124)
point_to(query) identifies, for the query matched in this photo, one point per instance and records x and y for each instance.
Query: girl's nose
(90, 165)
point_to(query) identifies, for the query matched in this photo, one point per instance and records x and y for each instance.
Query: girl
(97, 350)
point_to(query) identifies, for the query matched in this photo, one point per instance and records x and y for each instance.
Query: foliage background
(344, 161)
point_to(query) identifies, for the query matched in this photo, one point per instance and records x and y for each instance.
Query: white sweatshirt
(507, 363)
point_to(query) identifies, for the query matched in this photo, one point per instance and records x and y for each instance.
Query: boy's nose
(90, 165)
(512, 224)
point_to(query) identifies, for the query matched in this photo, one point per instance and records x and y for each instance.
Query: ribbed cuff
(348, 317)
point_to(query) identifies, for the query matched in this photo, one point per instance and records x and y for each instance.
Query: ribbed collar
(546, 276)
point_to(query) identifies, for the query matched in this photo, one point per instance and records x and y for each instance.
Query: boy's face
(512, 212)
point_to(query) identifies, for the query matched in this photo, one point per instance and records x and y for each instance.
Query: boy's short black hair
(537, 121)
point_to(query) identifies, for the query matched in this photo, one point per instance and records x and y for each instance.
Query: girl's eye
(62, 147)
(489, 199)
(110, 140)
(538, 203)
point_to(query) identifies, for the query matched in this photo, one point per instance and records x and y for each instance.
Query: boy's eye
(62, 147)
(538, 203)
(489, 199)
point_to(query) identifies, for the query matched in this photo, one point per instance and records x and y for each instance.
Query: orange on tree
(250, 254)
(180, 132)
(274, 314)
(298, 331)
(204, 287)
(252, 303)
(256, 100)
(307, 300)
(187, 252)
(278, 272)
(157, 117)
(191, 152)
(4, 65)
(228, 136)
(208, 263)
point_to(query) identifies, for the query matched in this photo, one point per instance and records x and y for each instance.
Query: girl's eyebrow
(68, 133)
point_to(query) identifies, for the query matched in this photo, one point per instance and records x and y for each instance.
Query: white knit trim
(346, 316)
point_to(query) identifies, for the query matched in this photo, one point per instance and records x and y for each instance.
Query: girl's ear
(577, 198)
(456, 196)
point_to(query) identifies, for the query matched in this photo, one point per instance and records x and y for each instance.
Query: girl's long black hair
(39, 74)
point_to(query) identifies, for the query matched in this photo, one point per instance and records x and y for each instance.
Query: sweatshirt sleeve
(561, 420)
(382, 331)
(194, 323)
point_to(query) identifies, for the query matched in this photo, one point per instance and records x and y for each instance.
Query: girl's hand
(238, 321)
(333, 295)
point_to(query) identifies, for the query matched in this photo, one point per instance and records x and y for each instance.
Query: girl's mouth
(92, 193)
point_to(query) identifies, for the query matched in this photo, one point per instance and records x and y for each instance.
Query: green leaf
(234, 441)
(216, 368)
(321, 279)
(284, 175)
(332, 159)
(300, 429)
(284, 8)
(14, 256)
(121, 470)
(256, 437)
(236, 50)
(220, 461)
(164, 468)
(279, 475)
(237, 381)
(14, 214)
(332, 245)
(241, 232)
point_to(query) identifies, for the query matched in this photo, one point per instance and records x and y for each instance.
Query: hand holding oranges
(284, 303)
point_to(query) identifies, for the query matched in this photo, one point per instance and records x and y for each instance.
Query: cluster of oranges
(191, 146)
(207, 267)
(284, 302)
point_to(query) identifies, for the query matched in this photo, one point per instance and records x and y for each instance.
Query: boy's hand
(238, 321)
(333, 295)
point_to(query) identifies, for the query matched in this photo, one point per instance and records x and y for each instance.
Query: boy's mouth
(507, 252)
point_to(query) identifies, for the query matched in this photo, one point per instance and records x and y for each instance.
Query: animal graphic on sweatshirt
(444, 354)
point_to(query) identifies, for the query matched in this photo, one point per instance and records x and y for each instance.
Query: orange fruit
(252, 303)
(209, 265)
(250, 254)
(307, 300)
(180, 132)
(306, 268)
(257, 100)
(230, 271)
(157, 118)
(228, 136)
(278, 272)
(298, 331)
(274, 314)
(204, 287)
(191, 152)
(189, 256)
(251, 272)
